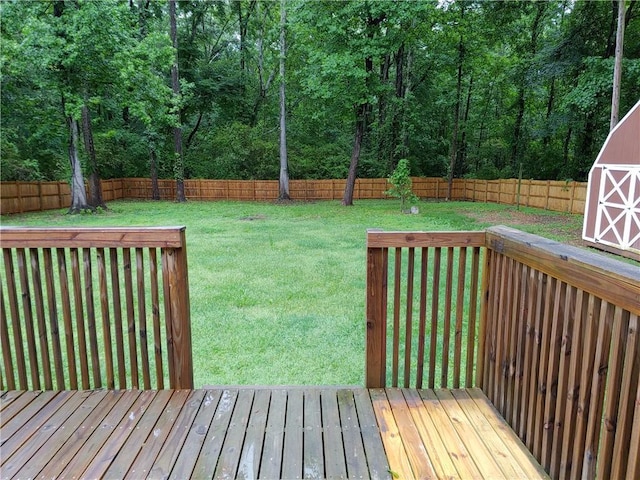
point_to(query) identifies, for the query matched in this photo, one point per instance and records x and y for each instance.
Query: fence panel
(20, 197)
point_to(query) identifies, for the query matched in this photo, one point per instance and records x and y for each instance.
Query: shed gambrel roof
(612, 212)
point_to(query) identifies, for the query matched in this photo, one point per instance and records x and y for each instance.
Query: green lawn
(277, 292)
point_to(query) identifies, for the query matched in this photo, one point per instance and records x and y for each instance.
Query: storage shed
(612, 211)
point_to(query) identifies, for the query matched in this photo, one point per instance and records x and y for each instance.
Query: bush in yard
(401, 185)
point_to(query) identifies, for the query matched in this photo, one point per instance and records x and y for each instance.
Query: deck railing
(94, 308)
(553, 329)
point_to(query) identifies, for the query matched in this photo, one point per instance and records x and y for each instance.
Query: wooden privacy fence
(549, 332)
(20, 197)
(94, 307)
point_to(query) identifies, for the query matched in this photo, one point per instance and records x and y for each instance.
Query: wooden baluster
(36, 280)
(422, 319)
(117, 316)
(155, 307)
(106, 320)
(27, 310)
(142, 320)
(54, 326)
(409, 318)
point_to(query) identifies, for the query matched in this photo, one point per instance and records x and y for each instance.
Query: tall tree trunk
(283, 191)
(383, 150)
(617, 69)
(95, 187)
(78, 191)
(153, 166)
(456, 118)
(396, 125)
(517, 126)
(536, 29)
(550, 100)
(361, 120)
(462, 151)
(178, 166)
(404, 133)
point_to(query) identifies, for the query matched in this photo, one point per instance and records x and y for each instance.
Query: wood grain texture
(90, 316)
(314, 432)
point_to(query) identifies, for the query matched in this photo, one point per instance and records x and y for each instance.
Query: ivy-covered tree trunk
(78, 191)
(153, 164)
(95, 186)
(178, 165)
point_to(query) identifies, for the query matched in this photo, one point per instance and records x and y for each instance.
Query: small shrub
(401, 186)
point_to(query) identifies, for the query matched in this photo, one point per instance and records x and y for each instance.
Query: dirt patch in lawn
(547, 225)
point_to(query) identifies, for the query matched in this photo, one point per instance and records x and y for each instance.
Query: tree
(617, 69)
(283, 191)
(178, 168)
(401, 185)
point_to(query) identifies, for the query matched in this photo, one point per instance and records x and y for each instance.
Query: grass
(277, 292)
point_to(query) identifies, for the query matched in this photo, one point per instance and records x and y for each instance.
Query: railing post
(482, 330)
(178, 316)
(376, 348)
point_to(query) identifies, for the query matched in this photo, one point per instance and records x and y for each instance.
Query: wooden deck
(258, 433)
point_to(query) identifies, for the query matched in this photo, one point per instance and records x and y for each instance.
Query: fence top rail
(380, 239)
(605, 277)
(88, 237)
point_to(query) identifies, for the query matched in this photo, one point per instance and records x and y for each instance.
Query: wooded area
(462, 89)
(20, 197)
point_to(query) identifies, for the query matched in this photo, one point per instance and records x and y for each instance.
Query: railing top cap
(97, 237)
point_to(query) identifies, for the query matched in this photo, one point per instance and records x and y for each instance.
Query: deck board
(278, 432)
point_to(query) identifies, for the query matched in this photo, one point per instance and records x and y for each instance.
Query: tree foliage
(457, 88)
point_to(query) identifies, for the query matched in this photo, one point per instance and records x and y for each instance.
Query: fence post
(178, 315)
(376, 311)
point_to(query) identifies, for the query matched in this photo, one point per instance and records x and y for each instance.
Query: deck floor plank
(72, 440)
(517, 449)
(62, 433)
(43, 434)
(109, 450)
(249, 465)
(496, 446)
(376, 459)
(458, 452)
(354, 452)
(179, 429)
(234, 440)
(203, 441)
(250, 432)
(156, 439)
(313, 456)
(49, 403)
(293, 436)
(440, 459)
(21, 411)
(8, 397)
(271, 462)
(399, 462)
(145, 426)
(334, 447)
(100, 433)
(475, 444)
(416, 450)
